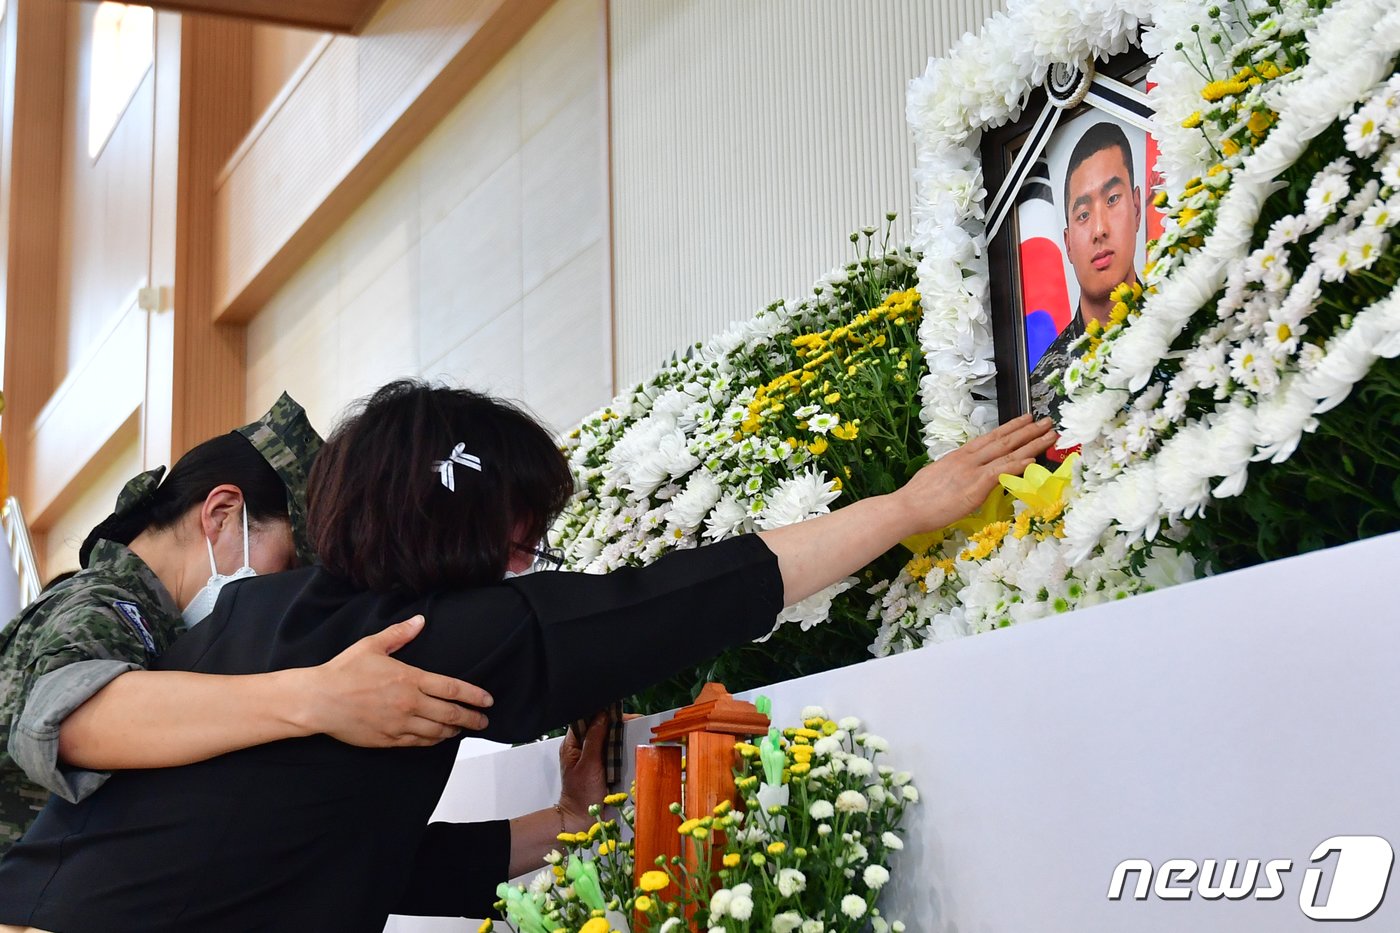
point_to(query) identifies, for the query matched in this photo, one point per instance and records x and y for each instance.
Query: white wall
(749, 139)
(95, 503)
(482, 259)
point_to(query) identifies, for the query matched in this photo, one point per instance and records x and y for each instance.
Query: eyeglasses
(546, 558)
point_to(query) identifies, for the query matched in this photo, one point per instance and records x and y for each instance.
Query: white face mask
(203, 602)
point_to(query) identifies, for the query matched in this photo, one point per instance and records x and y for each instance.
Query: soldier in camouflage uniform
(112, 617)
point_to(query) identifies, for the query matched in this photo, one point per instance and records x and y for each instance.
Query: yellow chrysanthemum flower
(732, 859)
(595, 925)
(654, 881)
(1259, 122)
(485, 927)
(845, 432)
(819, 446)
(1191, 122)
(613, 800)
(643, 903)
(777, 848)
(686, 828)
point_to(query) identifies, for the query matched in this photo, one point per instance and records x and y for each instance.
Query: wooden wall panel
(208, 372)
(36, 31)
(358, 110)
(94, 411)
(279, 55)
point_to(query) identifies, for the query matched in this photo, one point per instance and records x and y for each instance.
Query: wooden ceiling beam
(341, 16)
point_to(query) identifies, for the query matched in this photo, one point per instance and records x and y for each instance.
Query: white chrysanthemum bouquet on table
(810, 851)
(772, 422)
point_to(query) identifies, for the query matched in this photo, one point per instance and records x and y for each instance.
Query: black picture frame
(999, 148)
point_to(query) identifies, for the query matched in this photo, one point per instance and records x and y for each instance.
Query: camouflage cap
(138, 490)
(287, 441)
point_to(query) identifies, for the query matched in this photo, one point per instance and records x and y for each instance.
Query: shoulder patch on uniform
(132, 614)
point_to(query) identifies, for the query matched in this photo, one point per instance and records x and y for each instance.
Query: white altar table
(1247, 716)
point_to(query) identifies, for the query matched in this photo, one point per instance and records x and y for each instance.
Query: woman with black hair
(73, 692)
(421, 503)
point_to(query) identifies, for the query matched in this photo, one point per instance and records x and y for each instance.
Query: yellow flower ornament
(1039, 488)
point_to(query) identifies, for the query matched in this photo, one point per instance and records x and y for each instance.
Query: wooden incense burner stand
(701, 780)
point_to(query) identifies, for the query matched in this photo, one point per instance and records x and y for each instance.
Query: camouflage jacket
(116, 610)
(1045, 398)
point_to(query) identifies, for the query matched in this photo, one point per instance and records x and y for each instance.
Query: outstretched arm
(363, 696)
(816, 553)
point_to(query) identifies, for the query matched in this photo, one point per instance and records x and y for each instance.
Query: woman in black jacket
(421, 503)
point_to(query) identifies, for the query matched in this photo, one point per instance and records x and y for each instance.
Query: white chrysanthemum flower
(1287, 230)
(875, 876)
(1332, 258)
(849, 723)
(806, 411)
(856, 852)
(853, 906)
(821, 809)
(672, 925)
(852, 801)
(798, 498)
(1363, 200)
(690, 506)
(1390, 169)
(787, 922)
(860, 767)
(1278, 278)
(911, 793)
(542, 881)
(1363, 131)
(791, 881)
(1281, 338)
(1365, 247)
(719, 903)
(823, 829)
(826, 745)
(877, 794)
(741, 907)
(875, 743)
(728, 518)
(1310, 355)
(892, 842)
(813, 926)
(812, 712)
(1328, 190)
(823, 421)
(1383, 214)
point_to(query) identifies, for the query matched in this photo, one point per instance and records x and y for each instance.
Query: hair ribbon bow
(460, 457)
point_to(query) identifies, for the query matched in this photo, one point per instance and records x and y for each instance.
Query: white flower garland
(1126, 492)
(1358, 39)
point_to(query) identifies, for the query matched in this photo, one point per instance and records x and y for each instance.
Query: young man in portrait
(1103, 215)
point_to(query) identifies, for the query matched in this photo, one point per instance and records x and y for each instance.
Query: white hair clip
(460, 456)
